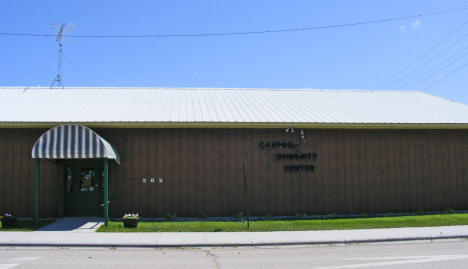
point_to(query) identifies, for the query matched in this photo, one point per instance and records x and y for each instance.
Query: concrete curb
(259, 244)
(226, 245)
(86, 238)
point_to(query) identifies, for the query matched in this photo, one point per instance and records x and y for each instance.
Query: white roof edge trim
(263, 125)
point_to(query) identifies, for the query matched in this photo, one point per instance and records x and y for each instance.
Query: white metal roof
(208, 105)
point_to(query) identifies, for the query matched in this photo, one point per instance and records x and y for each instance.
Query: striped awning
(72, 141)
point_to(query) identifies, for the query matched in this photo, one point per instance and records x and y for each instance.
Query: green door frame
(36, 191)
(57, 191)
(106, 192)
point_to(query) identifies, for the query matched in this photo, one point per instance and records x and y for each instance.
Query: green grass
(26, 226)
(292, 225)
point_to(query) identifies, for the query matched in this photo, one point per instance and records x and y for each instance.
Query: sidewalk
(157, 240)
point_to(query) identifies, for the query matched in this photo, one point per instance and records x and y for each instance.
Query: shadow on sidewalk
(89, 224)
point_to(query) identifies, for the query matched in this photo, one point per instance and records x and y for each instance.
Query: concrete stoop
(74, 224)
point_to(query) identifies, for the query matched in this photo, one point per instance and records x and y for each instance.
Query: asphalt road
(436, 254)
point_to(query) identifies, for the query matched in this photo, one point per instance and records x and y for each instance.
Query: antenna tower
(58, 78)
(60, 28)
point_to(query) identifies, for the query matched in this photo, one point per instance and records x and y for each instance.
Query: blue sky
(360, 57)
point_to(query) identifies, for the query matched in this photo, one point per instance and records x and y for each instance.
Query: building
(181, 151)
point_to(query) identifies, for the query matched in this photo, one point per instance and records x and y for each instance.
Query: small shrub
(8, 220)
(204, 215)
(449, 210)
(170, 216)
(239, 215)
(301, 215)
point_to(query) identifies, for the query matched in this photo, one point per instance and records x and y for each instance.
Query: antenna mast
(58, 78)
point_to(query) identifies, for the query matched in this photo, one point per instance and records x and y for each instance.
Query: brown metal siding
(17, 174)
(357, 171)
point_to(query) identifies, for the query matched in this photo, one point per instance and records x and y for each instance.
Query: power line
(309, 28)
(415, 60)
(408, 75)
(427, 76)
(34, 67)
(76, 69)
(448, 75)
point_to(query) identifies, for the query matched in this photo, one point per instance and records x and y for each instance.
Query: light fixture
(288, 129)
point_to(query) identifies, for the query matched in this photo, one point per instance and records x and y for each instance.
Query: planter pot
(130, 223)
(9, 222)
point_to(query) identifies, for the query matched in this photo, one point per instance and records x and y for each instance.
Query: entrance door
(83, 188)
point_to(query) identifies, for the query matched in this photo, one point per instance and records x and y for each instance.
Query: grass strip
(26, 226)
(292, 225)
